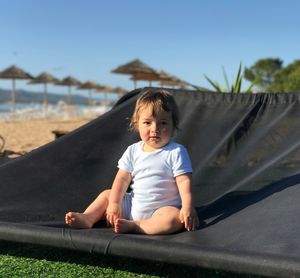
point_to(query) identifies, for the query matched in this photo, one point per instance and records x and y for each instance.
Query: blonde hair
(159, 100)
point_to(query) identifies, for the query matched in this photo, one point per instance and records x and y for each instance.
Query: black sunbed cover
(246, 160)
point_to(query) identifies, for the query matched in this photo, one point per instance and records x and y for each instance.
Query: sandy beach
(22, 136)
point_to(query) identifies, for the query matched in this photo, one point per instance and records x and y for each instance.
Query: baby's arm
(188, 214)
(118, 190)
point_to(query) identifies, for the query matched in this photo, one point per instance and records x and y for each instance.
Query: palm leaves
(235, 88)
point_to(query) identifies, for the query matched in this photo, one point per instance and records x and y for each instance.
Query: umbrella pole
(134, 84)
(92, 102)
(13, 95)
(105, 98)
(45, 98)
(69, 95)
(90, 98)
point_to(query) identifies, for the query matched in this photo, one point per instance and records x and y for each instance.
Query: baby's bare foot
(78, 220)
(123, 226)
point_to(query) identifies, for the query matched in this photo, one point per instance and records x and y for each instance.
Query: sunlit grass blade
(199, 88)
(226, 79)
(237, 86)
(238, 81)
(214, 84)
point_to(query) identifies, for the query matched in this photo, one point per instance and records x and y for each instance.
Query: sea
(7, 107)
(36, 110)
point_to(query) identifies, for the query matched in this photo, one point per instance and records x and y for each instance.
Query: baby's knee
(175, 222)
(105, 194)
(170, 217)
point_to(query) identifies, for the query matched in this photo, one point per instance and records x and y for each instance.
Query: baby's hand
(113, 212)
(189, 217)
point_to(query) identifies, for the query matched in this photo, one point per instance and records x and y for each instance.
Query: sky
(87, 39)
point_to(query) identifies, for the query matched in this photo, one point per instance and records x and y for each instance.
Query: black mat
(246, 160)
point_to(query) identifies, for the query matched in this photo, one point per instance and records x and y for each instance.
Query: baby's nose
(154, 127)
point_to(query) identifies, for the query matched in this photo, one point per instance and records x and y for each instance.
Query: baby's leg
(94, 212)
(164, 221)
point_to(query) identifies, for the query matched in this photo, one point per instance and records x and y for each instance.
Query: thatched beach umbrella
(138, 70)
(104, 89)
(149, 76)
(120, 91)
(44, 78)
(171, 80)
(88, 85)
(14, 73)
(69, 81)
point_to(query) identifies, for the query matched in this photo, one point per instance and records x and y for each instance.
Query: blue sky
(187, 38)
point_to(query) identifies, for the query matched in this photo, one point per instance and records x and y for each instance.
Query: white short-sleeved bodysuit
(153, 178)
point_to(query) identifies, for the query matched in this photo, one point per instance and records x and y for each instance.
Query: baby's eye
(164, 122)
(146, 123)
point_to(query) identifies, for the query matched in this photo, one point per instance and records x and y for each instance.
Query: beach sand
(22, 136)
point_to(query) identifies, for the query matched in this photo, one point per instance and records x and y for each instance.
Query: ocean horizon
(36, 110)
(6, 107)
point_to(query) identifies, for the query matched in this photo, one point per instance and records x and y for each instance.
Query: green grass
(25, 260)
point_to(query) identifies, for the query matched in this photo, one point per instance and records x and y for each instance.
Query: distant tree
(262, 72)
(287, 79)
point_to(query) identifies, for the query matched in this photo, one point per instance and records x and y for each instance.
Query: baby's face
(155, 132)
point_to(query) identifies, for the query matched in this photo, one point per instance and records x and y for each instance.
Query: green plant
(235, 88)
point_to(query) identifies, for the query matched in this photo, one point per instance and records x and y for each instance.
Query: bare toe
(123, 226)
(78, 220)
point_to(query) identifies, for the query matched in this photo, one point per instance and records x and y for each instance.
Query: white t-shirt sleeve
(126, 161)
(181, 162)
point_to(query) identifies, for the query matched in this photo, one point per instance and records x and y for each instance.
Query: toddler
(158, 171)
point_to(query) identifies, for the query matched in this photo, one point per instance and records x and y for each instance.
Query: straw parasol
(69, 81)
(88, 85)
(171, 80)
(120, 91)
(44, 78)
(149, 76)
(138, 70)
(14, 73)
(104, 89)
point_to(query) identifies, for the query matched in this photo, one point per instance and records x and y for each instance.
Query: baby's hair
(159, 100)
